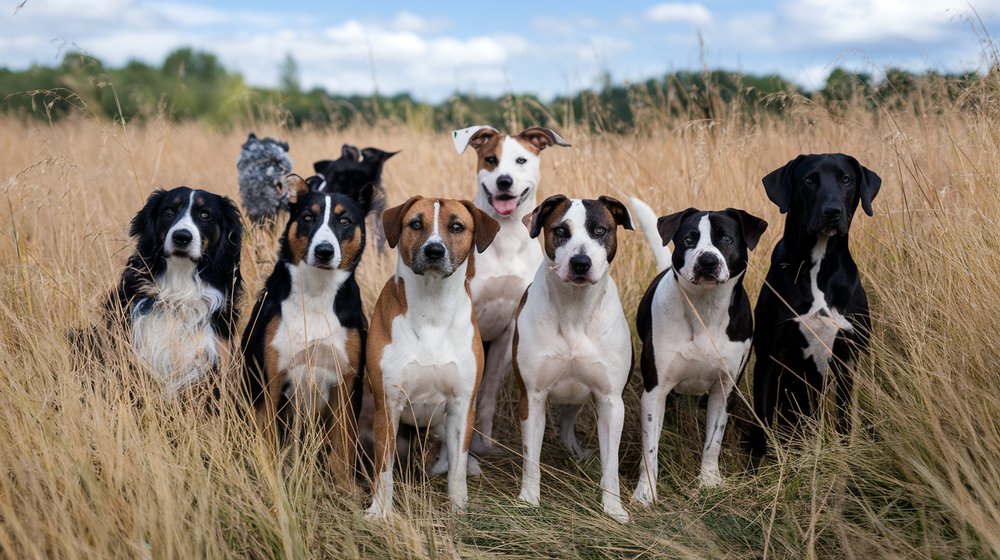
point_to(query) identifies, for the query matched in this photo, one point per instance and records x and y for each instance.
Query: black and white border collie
(178, 295)
(304, 344)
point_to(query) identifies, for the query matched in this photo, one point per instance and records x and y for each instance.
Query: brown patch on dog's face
(489, 149)
(547, 217)
(352, 248)
(438, 234)
(297, 244)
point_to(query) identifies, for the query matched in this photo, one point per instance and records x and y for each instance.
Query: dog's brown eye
(726, 240)
(344, 221)
(307, 218)
(560, 231)
(416, 225)
(690, 241)
(204, 215)
(521, 160)
(456, 228)
(845, 179)
(810, 181)
(492, 160)
(599, 231)
(169, 212)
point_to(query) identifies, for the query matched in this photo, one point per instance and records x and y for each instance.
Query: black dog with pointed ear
(349, 175)
(812, 315)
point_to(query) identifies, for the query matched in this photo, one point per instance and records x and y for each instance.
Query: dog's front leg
(498, 363)
(611, 419)
(457, 439)
(532, 432)
(653, 404)
(386, 427)
(715, 429)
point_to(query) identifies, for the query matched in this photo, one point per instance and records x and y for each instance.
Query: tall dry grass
(93, 463)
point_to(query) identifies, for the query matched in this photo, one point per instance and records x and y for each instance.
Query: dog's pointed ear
(376, 155)
(350, 152)
(321, 165)
(474, 136)
(251, 136)
(538, 215)
(668, 225)
(752, 226)
(778, 184)
(542, 138)
(392, 221)
(869, 184)
(618, 211)
(296, 187)
(284, 146)
(485, 227)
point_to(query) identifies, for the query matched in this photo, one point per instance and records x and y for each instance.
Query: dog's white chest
(822, 323)
(428, 364)
(691, 347)
(172, 332)
(311, 344)
(503, 272)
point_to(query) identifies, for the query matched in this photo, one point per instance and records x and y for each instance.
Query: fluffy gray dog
(261, 166)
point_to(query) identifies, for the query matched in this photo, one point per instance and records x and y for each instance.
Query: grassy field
(87, 472)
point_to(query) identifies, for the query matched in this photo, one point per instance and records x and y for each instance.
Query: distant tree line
(192, 84)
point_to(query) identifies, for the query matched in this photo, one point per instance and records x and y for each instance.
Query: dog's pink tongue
(505, 207)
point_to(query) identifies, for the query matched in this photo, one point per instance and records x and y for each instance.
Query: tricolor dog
(304, 343)
(507, 177)
(695, 324)
(571, 340)
(425, 356)
(178, 296)
(812, 314)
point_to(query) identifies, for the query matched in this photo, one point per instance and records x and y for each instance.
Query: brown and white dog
(507, 175)
(425, 357)
(571, 340)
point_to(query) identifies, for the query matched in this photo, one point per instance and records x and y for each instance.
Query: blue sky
(432, 49)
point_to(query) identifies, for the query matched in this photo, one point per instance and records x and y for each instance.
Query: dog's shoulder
(644, 314)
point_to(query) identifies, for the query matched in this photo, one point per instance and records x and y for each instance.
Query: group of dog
(475, 295)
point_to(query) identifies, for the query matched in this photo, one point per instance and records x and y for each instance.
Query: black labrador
(811, 318)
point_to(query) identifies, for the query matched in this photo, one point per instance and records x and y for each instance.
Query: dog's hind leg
(498, 363)
(567, 431)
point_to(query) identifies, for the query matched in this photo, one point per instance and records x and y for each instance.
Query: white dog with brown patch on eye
(507, 175)
(571, 339)
(424, 354)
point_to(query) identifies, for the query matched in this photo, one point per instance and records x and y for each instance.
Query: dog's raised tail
(647, 221)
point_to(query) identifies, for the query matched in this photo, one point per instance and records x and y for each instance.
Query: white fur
(574, 345)
(647, 222)
(324, 234)
(175, 338)
(429, 373)
(821, 324)
(308, 320)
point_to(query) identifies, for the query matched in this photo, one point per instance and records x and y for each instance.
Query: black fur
(820, 193)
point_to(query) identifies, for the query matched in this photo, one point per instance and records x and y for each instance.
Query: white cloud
(694, 14)
(408, 21)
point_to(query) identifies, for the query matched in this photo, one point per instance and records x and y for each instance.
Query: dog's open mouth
(505, 203)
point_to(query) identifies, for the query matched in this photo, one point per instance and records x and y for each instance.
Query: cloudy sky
(432, 49)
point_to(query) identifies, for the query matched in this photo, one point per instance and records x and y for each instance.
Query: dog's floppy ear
(752, 226)
(296, 187)
(667, 225)
(392, 221)
(486, 228)
(474, 136)
(778, 184)
(144, 221)
(618, 211)
(350, 152)
(228, 252)
(537, 217)
(542, 138)
(869, 184)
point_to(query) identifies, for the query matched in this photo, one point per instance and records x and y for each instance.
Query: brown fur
(391, 304)
(547, 216)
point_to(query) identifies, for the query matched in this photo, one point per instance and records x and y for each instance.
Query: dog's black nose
(833, 213)
(182, 237)
(707, 261)
(434, 251)
(324, 251)
(579, 264)
(504, 182)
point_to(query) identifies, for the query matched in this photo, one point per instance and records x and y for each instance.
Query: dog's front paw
(459, 502)
(709, 479)
(617, 512)
(644, 495)
(482, 447)
(530, 496)
(376, 513)
(473, 469)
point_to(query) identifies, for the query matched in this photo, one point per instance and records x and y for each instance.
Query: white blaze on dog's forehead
(325, 234)
(435, 231)
(462, 136)
(186, 223)
(704, 245)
